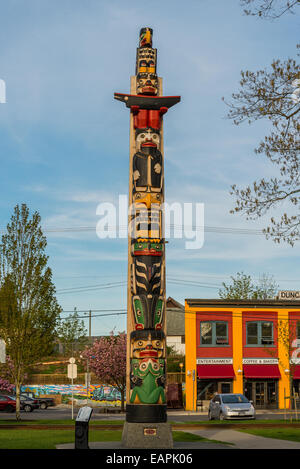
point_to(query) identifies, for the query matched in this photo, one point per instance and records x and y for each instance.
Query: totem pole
(146, 351)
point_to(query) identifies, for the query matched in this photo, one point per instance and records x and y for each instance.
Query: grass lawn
(292, 434)
(58, 422)
(233, 421)
(48, 439)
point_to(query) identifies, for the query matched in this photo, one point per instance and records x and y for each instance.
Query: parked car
(44, 402)
(26, 403)
(7, 404)
(230, 406)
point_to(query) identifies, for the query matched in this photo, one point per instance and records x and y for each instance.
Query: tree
(243, 288)
(272, 94)
(28, 308)
(287, 337)
(269, 8)
(107, 359)
(6, 386)
(174, 359)
(71, 331)
(5, 376)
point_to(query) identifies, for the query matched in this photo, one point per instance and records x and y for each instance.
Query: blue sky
(64, 140)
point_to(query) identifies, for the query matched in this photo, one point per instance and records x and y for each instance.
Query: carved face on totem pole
(146, 78)
(147, 167)
(147, 138)
(147, 283)
(147, 343)
(147, 375)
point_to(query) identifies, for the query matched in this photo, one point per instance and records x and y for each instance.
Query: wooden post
(284, 404)
(295, 403)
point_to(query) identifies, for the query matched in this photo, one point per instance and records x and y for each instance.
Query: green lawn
(48, 439)
(232, 422)
(58, 422)
(292, 434)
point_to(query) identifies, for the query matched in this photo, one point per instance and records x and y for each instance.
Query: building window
(259, 333)
(213, 333)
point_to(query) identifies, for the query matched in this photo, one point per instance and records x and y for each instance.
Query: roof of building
(175, 317)
(244, 303)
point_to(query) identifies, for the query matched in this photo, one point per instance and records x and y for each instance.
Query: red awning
(215, 371)
(296, 374)
(261, 371)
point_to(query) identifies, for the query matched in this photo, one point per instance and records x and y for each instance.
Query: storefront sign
(260, 361)
(295, 361)
(289, 295)
(214, 361)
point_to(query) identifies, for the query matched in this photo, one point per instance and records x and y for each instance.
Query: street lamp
(181, 367)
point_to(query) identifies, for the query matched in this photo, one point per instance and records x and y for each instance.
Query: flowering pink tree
(6, 385)
(107, 359)
(6, 377)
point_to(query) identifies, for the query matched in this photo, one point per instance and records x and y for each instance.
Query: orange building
(242, 346)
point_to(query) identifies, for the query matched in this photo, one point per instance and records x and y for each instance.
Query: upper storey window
(213, 333)
(259, 333)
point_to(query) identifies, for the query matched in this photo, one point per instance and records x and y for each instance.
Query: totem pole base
(147, 435)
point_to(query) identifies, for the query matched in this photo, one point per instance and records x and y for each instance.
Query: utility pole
(87, 363)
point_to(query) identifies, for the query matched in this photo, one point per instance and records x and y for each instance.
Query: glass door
(225, 388)
(259, 399)
(248, 390)
(271, 394)
(262, 393)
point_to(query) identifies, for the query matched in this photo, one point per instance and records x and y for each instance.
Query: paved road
(65, 413)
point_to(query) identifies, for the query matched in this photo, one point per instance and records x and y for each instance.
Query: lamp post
(181, 367)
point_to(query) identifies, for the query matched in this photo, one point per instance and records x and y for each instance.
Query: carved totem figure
(146, 400)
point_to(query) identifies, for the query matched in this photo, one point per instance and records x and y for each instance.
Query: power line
(93, 310)
(208, 229)
(104, 285)
(258, 316)
(94, 316)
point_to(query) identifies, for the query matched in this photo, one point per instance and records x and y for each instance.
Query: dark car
(7, 404)
(26, 403)
(44, 402)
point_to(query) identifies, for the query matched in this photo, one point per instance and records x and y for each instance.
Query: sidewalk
(245, 440)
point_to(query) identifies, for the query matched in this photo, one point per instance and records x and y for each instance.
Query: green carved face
(156, 246)
(148, 247)
(141, 368)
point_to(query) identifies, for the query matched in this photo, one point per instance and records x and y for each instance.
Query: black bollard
(82, 428)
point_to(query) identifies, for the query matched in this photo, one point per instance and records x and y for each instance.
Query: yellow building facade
(247, 347)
